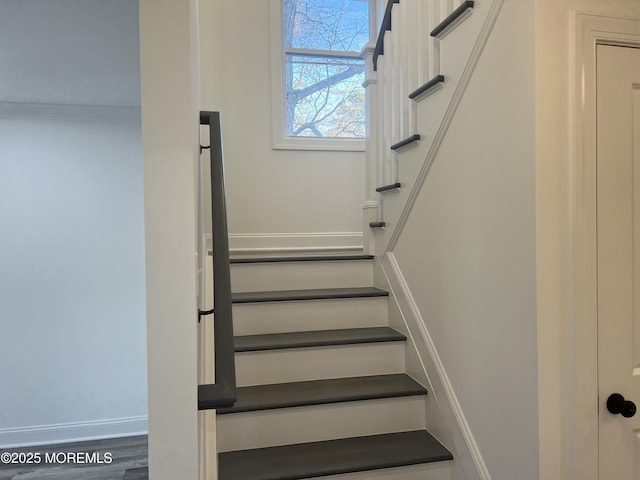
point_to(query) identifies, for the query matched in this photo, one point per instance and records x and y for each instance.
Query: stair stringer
(406, 415)
(445, 419)
(459, 53)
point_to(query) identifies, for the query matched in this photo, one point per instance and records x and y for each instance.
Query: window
(318, 73)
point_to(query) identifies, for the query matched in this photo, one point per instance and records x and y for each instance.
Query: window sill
(321, 144)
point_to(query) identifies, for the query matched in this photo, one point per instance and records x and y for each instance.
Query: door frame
(589, 31)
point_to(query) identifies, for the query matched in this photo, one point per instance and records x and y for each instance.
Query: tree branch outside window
(323, 71)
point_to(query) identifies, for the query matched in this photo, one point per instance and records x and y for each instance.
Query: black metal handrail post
(222, 393)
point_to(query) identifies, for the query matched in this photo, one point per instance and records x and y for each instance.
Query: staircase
(322, 388)
(322, 385)
(424, 57)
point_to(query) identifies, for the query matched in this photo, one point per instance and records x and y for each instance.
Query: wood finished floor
(129, 461)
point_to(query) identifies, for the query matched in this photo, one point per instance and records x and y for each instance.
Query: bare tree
(324, 93)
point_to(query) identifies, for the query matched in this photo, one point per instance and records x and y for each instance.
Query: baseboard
(450, 418)
(284, 243)
(73, 432)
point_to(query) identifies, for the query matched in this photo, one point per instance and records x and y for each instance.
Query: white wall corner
(73, 432)
(448, 423)
(170, 102)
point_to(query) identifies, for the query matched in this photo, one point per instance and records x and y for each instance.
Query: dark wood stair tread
(318, 392)
(436, 81)
(301, 258)
(455, 15)
(319, 338)
(136, 473)
(406, 142)
(332, 457)
(313, 294)
(387, 188)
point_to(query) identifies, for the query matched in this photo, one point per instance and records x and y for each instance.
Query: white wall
(72, 278)
(555, 43)
(69, 52)
(467, 251)
(71, 213)
(271, 194)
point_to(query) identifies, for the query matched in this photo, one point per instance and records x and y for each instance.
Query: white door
(618, 221)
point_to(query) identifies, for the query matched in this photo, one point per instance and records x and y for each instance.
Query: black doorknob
(617, 404)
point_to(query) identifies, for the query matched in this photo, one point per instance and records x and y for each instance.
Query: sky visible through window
(324, 73)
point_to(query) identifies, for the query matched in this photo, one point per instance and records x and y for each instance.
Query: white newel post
(370, 206)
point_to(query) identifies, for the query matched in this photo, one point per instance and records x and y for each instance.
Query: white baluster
(435, 16)
(372, 94)
(372, 114)
(453, 4)
(382, 132)
(388, 110)
(419, 33)
(405, 65)
(444, 10)
(380, 120)
(395, 66)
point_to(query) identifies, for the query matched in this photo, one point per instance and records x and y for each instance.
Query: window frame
(280, 139)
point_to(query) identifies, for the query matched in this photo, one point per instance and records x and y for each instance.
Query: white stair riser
(431, 109)
(298, 316)
(252, 277)
(411, 162)
(455, 50)
(425, 471)
(299, 364)
(321, 422)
